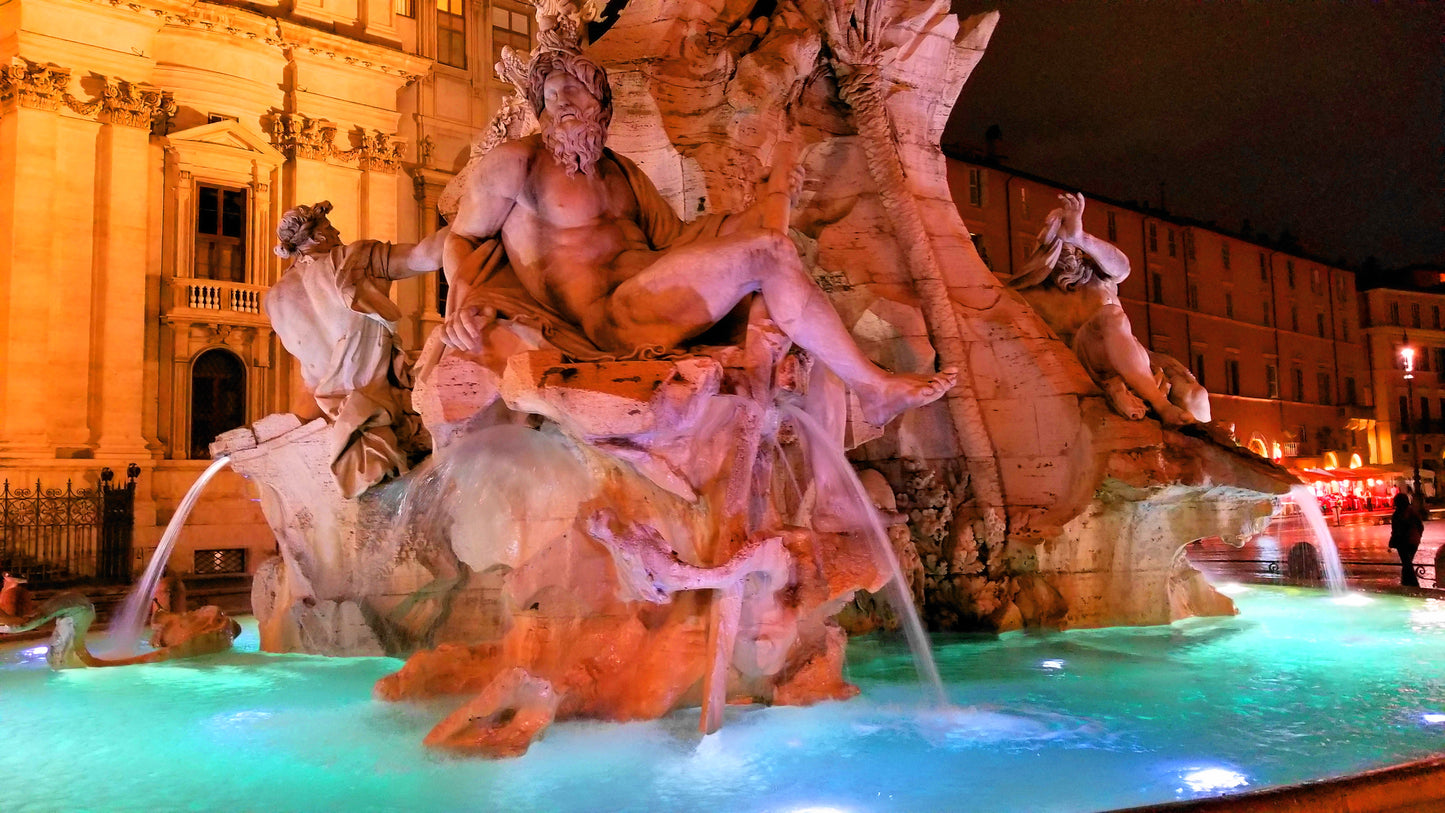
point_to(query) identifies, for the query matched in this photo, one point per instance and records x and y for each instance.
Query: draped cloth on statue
(326, 311)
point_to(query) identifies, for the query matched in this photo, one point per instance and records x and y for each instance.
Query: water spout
(125, 628)
(1329, 555)
(831, 467)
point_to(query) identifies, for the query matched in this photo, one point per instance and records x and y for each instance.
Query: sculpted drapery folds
(1072, 281)
(332, 312)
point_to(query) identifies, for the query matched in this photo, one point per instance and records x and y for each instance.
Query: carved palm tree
(854, 36)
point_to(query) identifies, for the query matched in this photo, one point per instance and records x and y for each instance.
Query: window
(1271, 381)
(1170, 234)
(982, 250)
(1424, 409)
(1231, 376)
(1191, 295)
(1189, 244)
(1404, 413)
(1344, 331)
(1439, 353)
(1229, 304)
(1268, 313)
(1199, 368)
(1322, 380)
(1153, 238)
(1320, 325)
(1113, 228)
(404, 8)
(1394, 311)
(1294, 318)
(975, 176)
(1157, 294)
(1414, 314)
(218, 399)
(1024, 202)
(1299, 384)
(452, 33)
(512, 25)
(1314, 279)
(1224, 255)
(1263, 267)
(1350, 391)
(1289, 273)
(220, 233)
(1435, 316)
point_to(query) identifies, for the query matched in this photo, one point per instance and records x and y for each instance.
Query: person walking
(1406, 530)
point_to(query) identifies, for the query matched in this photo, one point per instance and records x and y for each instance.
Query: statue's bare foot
(1173, 416)
(899, 392)
(1125, 402)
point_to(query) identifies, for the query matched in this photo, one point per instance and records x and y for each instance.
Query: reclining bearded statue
(1072, 281)
(556, 231)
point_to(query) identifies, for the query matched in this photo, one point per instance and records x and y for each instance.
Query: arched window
(1258, 446)
(218, 398)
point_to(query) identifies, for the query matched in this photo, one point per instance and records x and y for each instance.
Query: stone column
(28, 134)
(121, 234)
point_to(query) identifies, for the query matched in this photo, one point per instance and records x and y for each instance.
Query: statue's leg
(690, 288)
(1130, 360)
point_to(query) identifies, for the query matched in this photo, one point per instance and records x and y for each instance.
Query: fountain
(642, 512)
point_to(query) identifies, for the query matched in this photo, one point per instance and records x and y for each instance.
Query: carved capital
(379, 151)
(131, 105)
(299, 136)
(41, 87)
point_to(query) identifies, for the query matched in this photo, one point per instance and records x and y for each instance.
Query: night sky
(1326, 118)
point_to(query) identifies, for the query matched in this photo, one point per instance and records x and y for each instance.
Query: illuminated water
(1298, 687)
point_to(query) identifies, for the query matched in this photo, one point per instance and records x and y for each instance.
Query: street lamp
(1407, 355)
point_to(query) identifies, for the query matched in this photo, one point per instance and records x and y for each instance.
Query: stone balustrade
(216, 295)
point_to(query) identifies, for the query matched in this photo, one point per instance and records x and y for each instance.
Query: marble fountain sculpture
(690, 264)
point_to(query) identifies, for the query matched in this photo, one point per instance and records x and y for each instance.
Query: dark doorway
(218, 398)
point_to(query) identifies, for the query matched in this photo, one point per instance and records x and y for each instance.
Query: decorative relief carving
(131, 105)
(378, 151)
(299, 136)
(41, 87)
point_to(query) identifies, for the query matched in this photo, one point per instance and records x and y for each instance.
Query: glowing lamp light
(1276, 453)
(1407, 355)
(1356, 461)
(1207, 779)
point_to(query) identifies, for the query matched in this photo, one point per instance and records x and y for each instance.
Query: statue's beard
(576, 144)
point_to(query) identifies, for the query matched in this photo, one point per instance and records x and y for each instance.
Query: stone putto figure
(332, 312)
(1072, 281)
(597, 256)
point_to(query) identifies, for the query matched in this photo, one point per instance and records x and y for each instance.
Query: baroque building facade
(147, 150)
(1274, 335)
(1409, 415)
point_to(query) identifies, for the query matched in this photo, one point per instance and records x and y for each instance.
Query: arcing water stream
(1329, 554)
(125, 628)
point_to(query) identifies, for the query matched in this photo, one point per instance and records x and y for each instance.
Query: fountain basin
(1298, 688)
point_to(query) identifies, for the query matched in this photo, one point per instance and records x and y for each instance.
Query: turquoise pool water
(1297, 687)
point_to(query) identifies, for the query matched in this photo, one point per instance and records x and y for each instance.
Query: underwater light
(1352, 600)
(1433, 718)
(1206, 779)
(1233, 588)
(1051, 664)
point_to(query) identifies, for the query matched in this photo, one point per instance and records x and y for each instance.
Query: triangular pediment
(226, 135)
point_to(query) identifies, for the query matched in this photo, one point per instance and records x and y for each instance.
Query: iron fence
(51, 536)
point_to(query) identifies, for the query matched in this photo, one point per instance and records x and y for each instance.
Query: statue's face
(567, 100)
(325, 237)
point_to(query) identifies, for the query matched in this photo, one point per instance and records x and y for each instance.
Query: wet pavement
(1361, 538)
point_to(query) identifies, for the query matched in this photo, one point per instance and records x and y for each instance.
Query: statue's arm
(1111, 261)
(469, 249)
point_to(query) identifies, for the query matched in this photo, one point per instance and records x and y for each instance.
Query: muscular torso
(1067, 311)
(572, 240)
